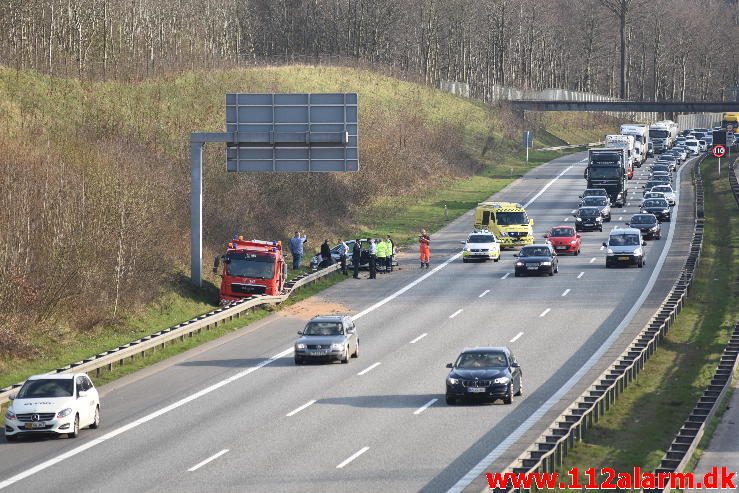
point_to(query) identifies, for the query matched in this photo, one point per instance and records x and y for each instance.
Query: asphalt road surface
(236, 415)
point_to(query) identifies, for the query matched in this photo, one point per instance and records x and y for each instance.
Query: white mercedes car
(53, 405)
(481, 245)
(667, 191)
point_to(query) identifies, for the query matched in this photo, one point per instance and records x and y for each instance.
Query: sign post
(528, 141)
(719, 151)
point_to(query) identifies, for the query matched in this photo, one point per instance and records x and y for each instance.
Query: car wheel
(356, 351)
(520, 387)
(496, 259)
(659, 236)
(345, 360)
(508, 399)
(298, 361)
(577, 252)
(517, 274)
(608, 219)
(640, 264)
(75, 427)
(450, 400)
(556, 269)
(96, 422)
(551, 271)
(11, 438)
(600, 229)
(464, 260)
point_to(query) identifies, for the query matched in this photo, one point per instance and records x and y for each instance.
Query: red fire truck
(251, 267)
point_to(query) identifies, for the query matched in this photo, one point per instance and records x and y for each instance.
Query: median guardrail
(107, 360)
(548, 451)
(733, 182)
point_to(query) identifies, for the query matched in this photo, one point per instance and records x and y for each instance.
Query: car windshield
(534, 252)
(255, 265)
(510, 218)
(655, 203)
(595, 192)
(480, 239)
(481, 360)
(662, 189)
(589, 212)
(594, 201)
(46, 388)
(643, 219)
(660, 168)
(323, 329)
(562, 232)
(604, 173)
(624, 239)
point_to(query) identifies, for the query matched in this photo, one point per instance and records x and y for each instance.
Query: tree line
(656, 49)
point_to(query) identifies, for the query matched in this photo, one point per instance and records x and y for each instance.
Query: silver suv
(327, 338)
(625, 247)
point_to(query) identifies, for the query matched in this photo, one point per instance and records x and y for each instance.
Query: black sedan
(536, 259)
(488, 373)
(602, 203)
(647, 224)
(659, 207)
(588, 219)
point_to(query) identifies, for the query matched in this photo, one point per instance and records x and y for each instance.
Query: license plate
(476, 390)
(533, 268)
(561, 248)
(623, 258)
(31, 426)
(319, 353)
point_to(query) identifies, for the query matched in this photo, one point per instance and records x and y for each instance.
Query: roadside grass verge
(639, 428)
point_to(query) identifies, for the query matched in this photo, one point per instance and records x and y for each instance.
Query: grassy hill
(94, 209)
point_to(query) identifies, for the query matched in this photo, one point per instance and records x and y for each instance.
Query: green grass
(645, 419)
(58, 110)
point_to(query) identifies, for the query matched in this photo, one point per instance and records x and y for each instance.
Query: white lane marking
(602, 247)
(566, 292)
(567, 219)
(506, 275)
(455, 313)
(574, 211)
(516, 435)
(419, 338)
(134, 424)
(484, 293)
(628, 204)
(354, 456)
(545, 312)
(546, 187)
(620, 218)
(592, 260)
(517, 337)
(369, 368)
(209, 459)
(425, 406)
(296, 411)
(140, 421)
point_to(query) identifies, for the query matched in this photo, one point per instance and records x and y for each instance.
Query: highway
(237, 415)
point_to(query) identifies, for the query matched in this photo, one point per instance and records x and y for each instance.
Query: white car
(667, 191)
(693, 147)
(481, 245)
(653, 195)
(60, 404)
(703, 144)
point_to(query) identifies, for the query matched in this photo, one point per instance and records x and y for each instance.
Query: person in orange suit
(424, 247)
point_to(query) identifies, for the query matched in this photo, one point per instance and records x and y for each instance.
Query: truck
(607, 169)
(640, 132)
(251, 267)
(663, 134)
(627, 142)
(508, 221)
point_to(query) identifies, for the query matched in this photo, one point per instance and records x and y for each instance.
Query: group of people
(380, 252)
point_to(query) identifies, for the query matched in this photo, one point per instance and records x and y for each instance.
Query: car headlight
(300, 346)
(519, 264)
(502, 380)
(337, 347)
(465, 249)
(609, 251)
(599, 219)
(64, 413)
(665, 211)
(637, 252)
(452, 381)
(573, 242)
(546, 263)
(10, 415)
(578, 219)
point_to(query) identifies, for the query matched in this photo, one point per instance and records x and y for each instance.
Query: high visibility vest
(381, 249)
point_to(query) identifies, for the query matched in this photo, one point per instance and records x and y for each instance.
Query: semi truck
(251, 267)
(640, 132)
(607, 169)
(663, 134)
(626, 142)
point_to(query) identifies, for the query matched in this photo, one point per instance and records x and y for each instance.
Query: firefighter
(424, 247)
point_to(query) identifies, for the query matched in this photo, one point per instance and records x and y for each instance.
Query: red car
(564, 239)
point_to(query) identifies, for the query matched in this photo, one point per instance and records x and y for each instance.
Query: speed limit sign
(719, 151)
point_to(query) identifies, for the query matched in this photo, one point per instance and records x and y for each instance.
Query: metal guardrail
(118, 356)
(548, 451)
(733, 182)
(683, 446)
(572, 146)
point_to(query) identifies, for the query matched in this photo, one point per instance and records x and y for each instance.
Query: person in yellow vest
(381, 254)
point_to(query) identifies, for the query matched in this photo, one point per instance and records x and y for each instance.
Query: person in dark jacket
(326, 259)
(356, 257)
